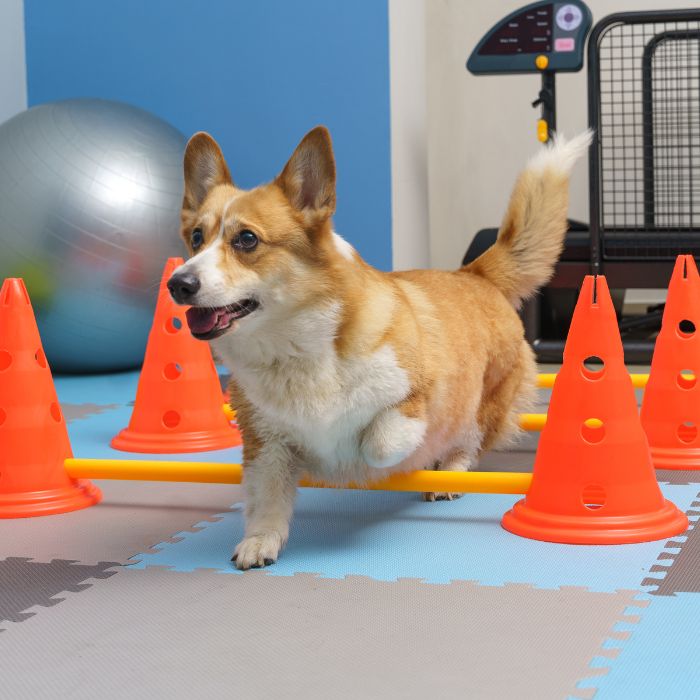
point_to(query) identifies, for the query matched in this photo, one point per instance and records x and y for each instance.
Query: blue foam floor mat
(396, 535)
(660, 658)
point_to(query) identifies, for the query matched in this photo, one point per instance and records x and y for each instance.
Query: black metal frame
(640, 273)
(647, 115)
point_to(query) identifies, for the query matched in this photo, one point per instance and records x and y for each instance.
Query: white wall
(481, 129)
(13, 72)
(409, 136)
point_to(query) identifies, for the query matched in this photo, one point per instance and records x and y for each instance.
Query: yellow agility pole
(532, 421)
(229, 412)
(219, 473)
(546, 381)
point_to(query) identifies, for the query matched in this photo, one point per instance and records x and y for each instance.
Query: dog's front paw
(257, 551)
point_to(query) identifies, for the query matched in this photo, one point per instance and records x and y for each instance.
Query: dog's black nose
(183, 287)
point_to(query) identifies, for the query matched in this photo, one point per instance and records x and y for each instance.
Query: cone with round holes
(33, 437)
(178, 399)
(671, 404)
(593, 480)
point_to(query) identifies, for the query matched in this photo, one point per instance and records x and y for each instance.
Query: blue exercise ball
(90, 196)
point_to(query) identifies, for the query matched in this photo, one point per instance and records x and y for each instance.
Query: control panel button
(542, 61)
(565, 44)
(569, 17)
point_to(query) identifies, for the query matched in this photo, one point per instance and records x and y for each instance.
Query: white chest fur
(303, 391)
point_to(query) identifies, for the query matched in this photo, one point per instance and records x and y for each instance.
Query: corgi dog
(342, 372)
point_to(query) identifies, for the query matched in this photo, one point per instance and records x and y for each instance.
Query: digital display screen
(528, 32)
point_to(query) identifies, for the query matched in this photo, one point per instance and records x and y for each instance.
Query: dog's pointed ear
(205, 168)
(308, 179)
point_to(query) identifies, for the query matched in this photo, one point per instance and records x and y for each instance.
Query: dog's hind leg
(460, 460)
(497, 419)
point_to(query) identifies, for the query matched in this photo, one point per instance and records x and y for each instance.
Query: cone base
(595, 529)
(79, 494)
(197, 441)
(681, 458)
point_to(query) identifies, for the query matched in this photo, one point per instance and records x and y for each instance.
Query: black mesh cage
(644, 102)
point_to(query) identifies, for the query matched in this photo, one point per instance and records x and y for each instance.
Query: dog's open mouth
(206, 323)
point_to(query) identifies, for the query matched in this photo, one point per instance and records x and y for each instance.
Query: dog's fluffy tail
(531, 237)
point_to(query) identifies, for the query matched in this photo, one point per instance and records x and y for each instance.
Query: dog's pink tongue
(201, 320)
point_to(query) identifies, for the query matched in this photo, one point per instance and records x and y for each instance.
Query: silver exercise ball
(90, 196)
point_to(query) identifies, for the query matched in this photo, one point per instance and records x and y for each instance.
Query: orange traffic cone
(593, 481)
(33, 436)
(178, 400)
(671, 405)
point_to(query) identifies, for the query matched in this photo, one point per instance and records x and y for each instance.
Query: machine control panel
(542, 36)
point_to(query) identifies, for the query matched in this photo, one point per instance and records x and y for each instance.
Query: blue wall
(256, 74)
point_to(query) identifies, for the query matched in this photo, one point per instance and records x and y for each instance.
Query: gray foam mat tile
(80, 411)
(678, 476)
(159, 633)
(132, 517)
(678, 568)
(510, 461)
(25, 584)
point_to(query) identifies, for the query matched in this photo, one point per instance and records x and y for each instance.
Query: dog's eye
(197, 238)
(245, 240)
